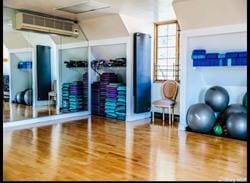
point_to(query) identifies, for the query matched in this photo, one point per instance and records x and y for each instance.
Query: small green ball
(218, 130)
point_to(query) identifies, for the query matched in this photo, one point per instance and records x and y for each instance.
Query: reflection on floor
(16, 112)
(102, 149)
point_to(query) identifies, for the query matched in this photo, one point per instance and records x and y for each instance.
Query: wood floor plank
(101, 149)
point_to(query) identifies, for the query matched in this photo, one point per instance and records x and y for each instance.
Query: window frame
(156, 25)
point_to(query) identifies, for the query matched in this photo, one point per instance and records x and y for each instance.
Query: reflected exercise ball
(200, 117)
(28, 97)
(237, 125)
(20, 97)
(217, 98)
(233, 108)
(244, 101)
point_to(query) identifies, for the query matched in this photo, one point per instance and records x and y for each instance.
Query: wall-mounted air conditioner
(31, 22)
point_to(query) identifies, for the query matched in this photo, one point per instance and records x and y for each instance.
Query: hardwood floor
(16, 112)
(101, 149)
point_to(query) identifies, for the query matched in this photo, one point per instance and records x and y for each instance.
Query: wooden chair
(52, 95)
(169, 91)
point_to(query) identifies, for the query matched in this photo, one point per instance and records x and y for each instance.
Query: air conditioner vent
(27, 21)
(49, 23)
(39, 21)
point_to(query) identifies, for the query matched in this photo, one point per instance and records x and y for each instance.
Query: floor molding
(40, 121)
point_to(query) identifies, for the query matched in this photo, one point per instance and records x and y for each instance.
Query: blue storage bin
(242, 54)
(199, 52)
(212, 55)
(232, 54)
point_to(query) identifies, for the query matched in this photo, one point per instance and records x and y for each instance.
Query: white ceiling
(153, 10)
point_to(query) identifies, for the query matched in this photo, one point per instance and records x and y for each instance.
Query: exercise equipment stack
(99, 91)
(121, 102)
(6, 89)
(85, 91)
(111, 100)
(202, 58)
(216, 117)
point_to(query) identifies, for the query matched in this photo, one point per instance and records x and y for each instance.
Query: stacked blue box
(121, 103)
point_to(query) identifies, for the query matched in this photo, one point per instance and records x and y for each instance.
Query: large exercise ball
(217, 98)
(200, 117)
(236, 124)
(28, 97)
(244, 100)
(233, 108)
(20, 97)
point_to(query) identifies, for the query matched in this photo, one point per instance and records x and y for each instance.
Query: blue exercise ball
(200, 118)
(217, 98)
(236, 124)
(233, 108)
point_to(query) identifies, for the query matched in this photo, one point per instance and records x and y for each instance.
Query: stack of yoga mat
(76, 96)
(73, 97)
(99, 93)
(121, 102)
(85, 91)
(65, 97)
(111, 100)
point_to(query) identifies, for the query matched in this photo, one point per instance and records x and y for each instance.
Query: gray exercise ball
(233, 108)
(217, 97)
(20, 97)
(28, 97)
(200, 117)
(236, 124)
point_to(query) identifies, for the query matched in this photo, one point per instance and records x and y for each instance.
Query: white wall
(195, 81)
(6, 65)
(192, 14)
(105, 27)
(19, 80)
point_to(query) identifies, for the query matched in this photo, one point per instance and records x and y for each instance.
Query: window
(166, 51)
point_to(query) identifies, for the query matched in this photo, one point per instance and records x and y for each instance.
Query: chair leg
(163, 114)
(173, 115)
(153, 115)
(169, 115)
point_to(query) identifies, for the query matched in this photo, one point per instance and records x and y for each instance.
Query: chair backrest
(54, 85)
(170, 89)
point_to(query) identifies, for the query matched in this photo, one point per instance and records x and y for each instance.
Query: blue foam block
(232, 54)
(198, 57)
(222, 55)
(212, 55)
(199, 52)
(239, 61)
(242, 54)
